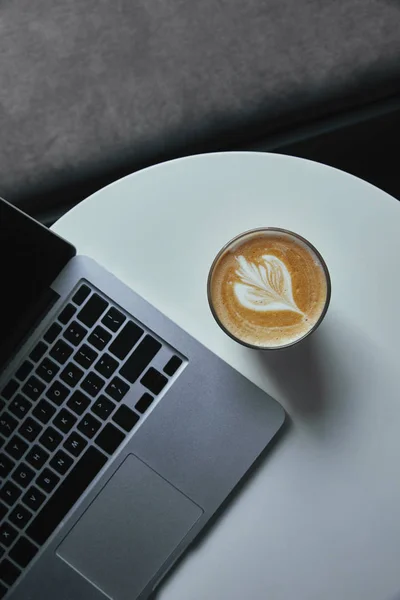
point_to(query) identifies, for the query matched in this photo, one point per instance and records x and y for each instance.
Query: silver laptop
(120, 435)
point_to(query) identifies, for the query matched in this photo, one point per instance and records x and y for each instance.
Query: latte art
(265, 287)
(268, 288)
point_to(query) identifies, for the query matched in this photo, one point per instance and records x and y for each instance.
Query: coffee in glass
(269, 288)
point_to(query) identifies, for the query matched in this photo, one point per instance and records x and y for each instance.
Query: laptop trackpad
(129, 530)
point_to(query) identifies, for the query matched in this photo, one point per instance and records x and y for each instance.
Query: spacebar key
(66, 495)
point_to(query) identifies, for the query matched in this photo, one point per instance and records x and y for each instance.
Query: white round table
(320, 518)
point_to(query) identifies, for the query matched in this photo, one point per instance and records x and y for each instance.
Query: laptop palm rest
(129, 530)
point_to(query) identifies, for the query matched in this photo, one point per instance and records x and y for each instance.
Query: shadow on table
(313, 379)
(246, 480)
(298, 373)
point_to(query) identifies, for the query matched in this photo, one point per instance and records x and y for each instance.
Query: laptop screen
(31, 258)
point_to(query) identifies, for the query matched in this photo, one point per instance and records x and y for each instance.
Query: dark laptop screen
(31, 258)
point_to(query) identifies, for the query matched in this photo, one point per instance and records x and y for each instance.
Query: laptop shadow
(246, 479)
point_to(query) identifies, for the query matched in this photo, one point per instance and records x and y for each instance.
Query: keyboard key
(92, 384)
(61, 352)
(117, 389)
(33, 388)
(89, 426)
(30, 429)
(172, 365)
(2, 404)
(38, 351)
(23, 475)
(71, 374)
(125, 418)
(3, 512)
(9, 573)
(23, 552)
(66, 314)
(47, 480)
(20, 516)
(106, 365)
(140, 358)
(3, 589)
(92, 310)
(125, 340)
(52, 333)
(7, 534)
(75, 444)
(85, 356)
(7, 424)
(36, 457)
(50, 439)
(78, 402)
(143, 404)
(99, 338)
(154, 381)
(110, 438)
(20, 406)
(47, 370)
(113, 319)
(57, 393)
(16, 447)
(44, 411)
(75, 333)
(24, 370)
(9, 390)
(33, 498)
(70, 490)
(81, 295)
(61, 462)
(10, 493)
(64, 420)
(2, 441)
(103, 407)
(6, 465)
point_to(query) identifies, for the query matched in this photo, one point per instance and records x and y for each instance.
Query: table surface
(319, 518)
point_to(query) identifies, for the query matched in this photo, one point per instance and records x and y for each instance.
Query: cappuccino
(269, 288)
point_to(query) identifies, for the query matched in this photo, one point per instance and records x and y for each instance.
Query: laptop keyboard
(66, 411)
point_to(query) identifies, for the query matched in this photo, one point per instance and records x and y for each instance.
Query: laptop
(120, 434)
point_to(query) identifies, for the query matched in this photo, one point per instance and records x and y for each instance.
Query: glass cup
(259, 297)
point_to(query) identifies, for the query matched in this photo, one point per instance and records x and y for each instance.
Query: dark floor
(364, 143)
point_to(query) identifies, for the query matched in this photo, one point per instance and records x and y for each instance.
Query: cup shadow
(298, 375)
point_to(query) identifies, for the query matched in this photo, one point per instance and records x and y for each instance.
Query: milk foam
(266, 287)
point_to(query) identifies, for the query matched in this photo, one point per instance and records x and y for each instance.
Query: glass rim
(289, 233)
